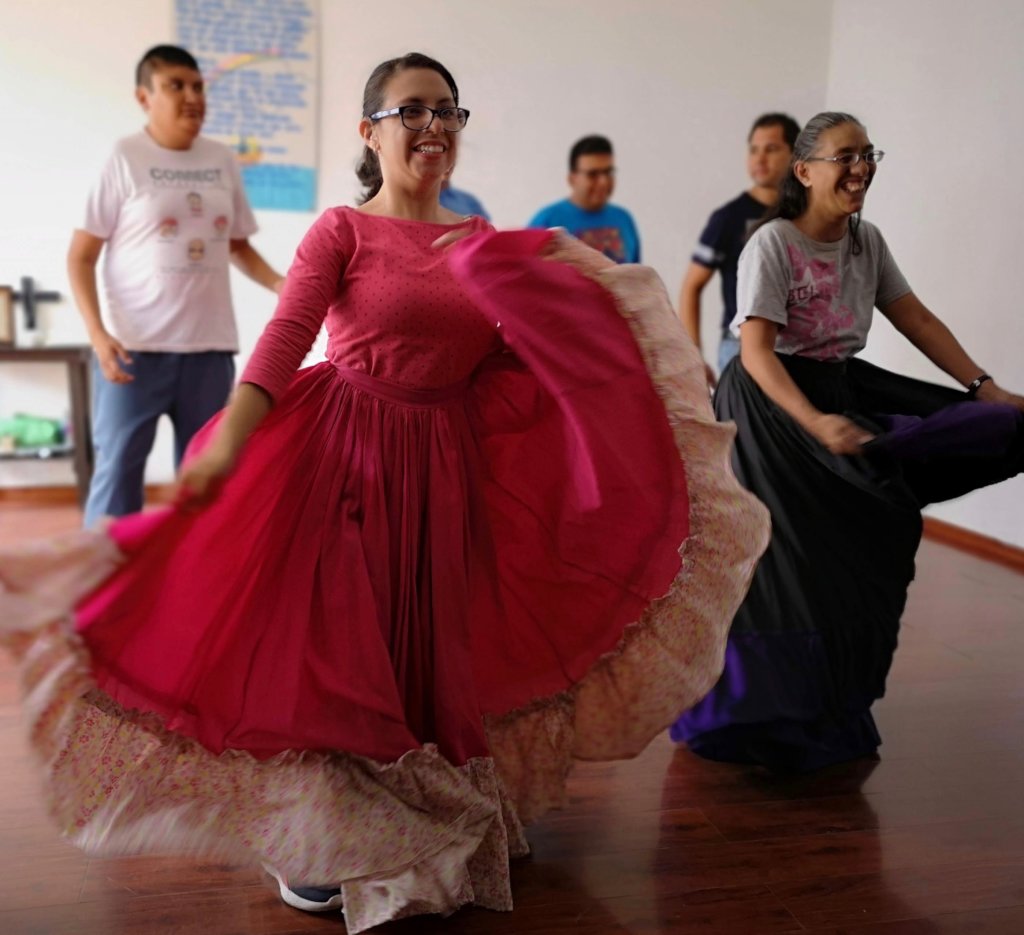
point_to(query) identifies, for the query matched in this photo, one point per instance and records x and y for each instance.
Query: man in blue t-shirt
(769, 149)
(586, 213)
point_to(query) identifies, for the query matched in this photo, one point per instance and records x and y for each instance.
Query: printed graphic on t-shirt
(182, 178)
(606, 239)
(816, 318)
(194, 210)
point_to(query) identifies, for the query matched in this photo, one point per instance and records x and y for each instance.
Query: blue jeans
(728, 348)
(189, 388)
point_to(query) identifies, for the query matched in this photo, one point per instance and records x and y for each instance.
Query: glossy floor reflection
(929, 840)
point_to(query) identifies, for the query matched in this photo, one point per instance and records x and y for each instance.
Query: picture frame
(7, 316)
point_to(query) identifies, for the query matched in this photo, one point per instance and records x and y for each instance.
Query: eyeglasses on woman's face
(848, 160)
(419, 117)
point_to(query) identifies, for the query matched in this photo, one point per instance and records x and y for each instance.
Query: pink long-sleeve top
(393, 308)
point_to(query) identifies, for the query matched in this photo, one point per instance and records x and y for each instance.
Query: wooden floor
(927, 841)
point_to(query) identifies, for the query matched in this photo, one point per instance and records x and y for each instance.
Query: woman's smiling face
(835, 190)
(413, 158)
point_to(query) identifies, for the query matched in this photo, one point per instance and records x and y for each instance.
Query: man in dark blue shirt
(769, 149)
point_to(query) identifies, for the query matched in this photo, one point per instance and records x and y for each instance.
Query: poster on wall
(260, 62)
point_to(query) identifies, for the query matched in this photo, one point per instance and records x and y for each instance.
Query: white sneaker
(308, 898)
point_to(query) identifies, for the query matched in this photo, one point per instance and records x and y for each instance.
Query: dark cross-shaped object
(29, 297)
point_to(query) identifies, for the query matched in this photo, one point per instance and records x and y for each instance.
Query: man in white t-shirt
(172, 213)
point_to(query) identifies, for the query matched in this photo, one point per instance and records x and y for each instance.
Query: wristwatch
(975, 385)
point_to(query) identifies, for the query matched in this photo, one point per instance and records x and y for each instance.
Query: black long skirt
(811, 646)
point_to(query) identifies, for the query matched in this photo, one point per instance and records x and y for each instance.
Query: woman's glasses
(847, 160)
(420, 117)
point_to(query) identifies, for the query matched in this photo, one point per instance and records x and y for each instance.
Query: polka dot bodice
(393, 308)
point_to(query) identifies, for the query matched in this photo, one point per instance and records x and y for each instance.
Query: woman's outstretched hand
(839, 435)
(201, 478)
(990, 392)
(452, 236)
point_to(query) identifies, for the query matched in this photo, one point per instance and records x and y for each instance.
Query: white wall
(940, 86)
(674, 83)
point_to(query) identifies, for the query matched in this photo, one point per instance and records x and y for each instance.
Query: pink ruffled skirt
(378, 651)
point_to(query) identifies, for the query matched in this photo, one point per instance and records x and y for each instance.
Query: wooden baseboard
(935, 529)
(64, 495)
(38, 496)
(976, 544)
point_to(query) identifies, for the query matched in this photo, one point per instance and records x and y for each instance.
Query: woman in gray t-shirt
(844, 455)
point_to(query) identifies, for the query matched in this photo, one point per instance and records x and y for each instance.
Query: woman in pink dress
(402, 589)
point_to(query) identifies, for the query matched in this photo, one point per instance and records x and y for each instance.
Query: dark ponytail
(368, 171)
(792, 200)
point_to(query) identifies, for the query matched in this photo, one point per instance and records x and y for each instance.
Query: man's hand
(111, 355)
